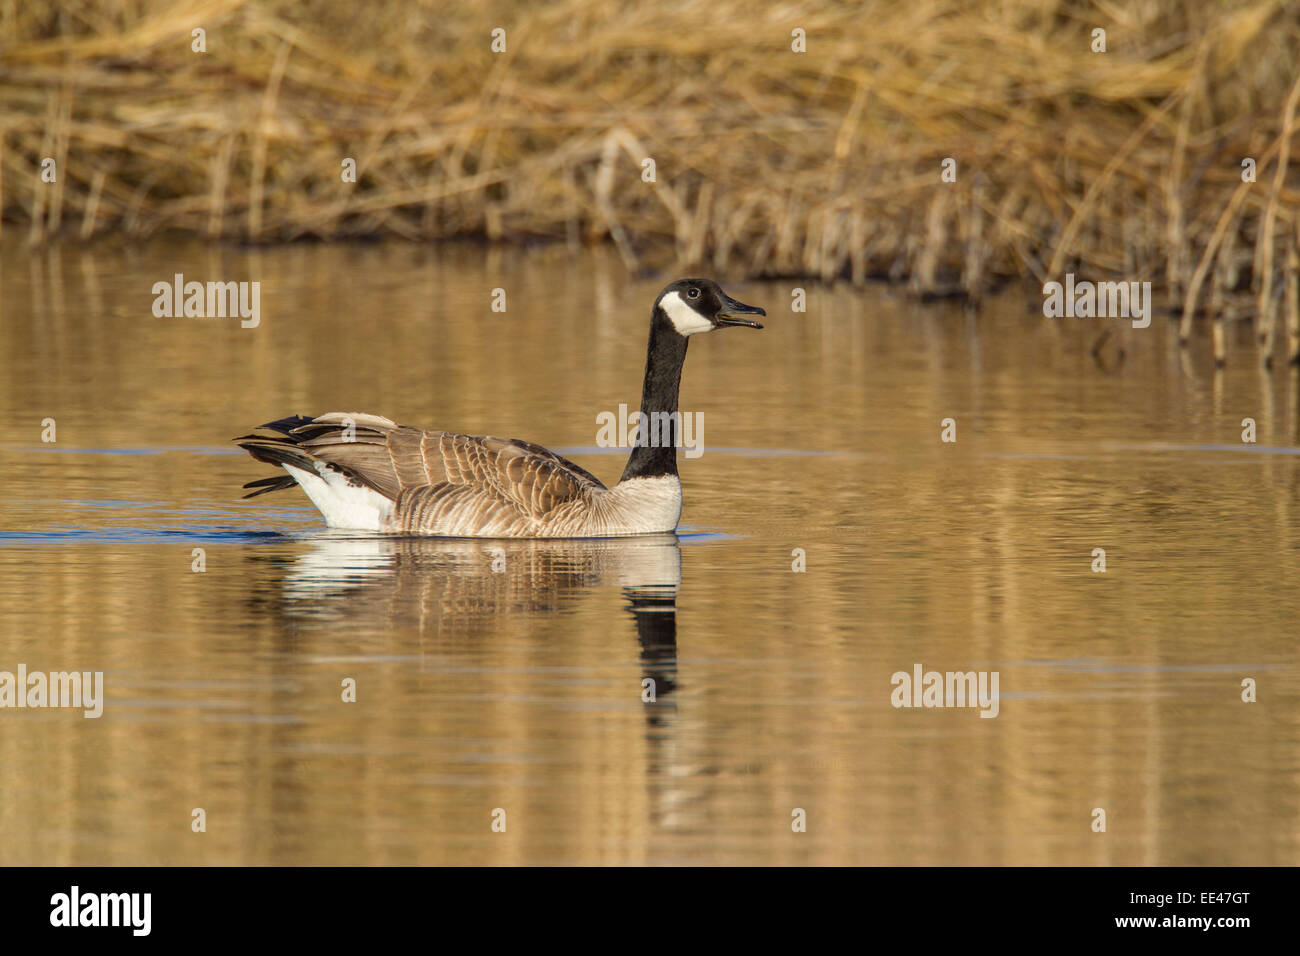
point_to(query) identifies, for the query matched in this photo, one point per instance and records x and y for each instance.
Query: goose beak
(734, 313)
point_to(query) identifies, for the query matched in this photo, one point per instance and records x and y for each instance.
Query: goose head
(700, 305)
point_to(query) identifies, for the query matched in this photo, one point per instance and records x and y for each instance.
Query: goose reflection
(466, 586)
(460, 589)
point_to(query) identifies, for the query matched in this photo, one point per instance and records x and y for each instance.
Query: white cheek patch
(685, 319)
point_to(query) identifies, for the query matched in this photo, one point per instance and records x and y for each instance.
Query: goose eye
(693, 294)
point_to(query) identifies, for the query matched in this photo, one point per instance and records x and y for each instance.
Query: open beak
(736, 313)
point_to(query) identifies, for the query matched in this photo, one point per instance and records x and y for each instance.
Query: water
(521, 689)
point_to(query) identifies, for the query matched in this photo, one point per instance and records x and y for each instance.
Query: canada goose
(368, 473)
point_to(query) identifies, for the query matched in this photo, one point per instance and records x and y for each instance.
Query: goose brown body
(437, 482)
(366, 472)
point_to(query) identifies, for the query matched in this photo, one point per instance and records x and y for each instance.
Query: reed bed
(824, 164)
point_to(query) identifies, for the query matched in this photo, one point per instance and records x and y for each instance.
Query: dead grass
(823, 164)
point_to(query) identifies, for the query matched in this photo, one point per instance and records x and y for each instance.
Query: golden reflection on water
(521, 687)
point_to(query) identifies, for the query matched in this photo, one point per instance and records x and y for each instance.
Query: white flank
(342, 504)
(685, 319)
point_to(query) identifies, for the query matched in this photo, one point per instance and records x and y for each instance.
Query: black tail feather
(283, 448)
(276, 450)
(275, 483)
(286, 426)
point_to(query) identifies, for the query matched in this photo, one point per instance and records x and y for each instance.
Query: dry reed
(823, 164)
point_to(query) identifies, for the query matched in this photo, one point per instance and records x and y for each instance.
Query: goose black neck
(654, 456)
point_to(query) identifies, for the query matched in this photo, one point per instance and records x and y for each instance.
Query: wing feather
(436, 477)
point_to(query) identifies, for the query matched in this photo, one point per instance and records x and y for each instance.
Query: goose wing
(436, 478)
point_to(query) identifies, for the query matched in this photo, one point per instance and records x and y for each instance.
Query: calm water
(520, 689)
